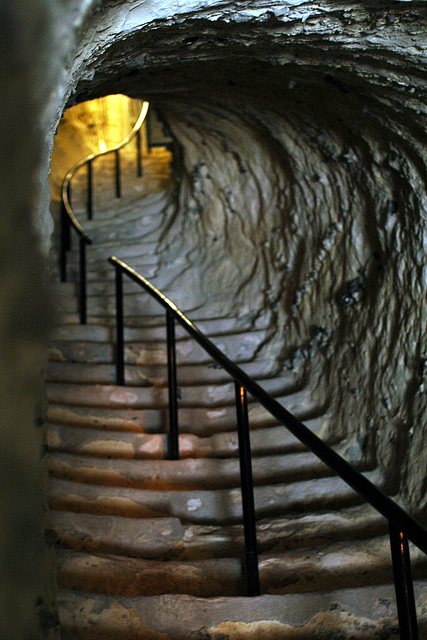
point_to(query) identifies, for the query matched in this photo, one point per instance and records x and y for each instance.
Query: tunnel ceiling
(261, 51)
(301, 185)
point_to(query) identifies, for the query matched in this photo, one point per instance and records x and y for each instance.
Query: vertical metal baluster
(138, 154)
(70, 235)
(117, 173)
(172, 388)
(65, 242)
(83, 301)
(89, 194)
(403, 584)
(69, 192)
(252, 572)
(120, 347)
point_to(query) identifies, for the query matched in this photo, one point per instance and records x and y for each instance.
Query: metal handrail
(69, 220)
(402, 525)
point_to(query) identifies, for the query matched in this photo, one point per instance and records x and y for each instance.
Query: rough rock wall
(32, 58)
(302, 187)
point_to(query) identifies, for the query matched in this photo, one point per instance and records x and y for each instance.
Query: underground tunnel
(297, 193)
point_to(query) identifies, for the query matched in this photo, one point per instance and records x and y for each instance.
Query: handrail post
(69, 192)
(249, 523)
(138, 154)
(117, 174)
(83, 297)
(173, 444)
(65, 242)
(405, 600)
(120, 348)
(89, 194)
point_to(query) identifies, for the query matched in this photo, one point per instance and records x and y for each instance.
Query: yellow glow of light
(101, 145)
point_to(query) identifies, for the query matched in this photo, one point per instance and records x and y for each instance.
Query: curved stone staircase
(150, 548)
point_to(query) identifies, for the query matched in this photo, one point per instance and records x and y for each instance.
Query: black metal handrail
(401, 524)
(69, 220)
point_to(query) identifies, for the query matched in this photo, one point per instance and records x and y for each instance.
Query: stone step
(99, 269)
(138, 420)
(220, 325)
(142, 226)
(210, 327)
(155, 421)
(100, 443)
(156, 538)
(198, 316)
(136, 192)
(157, 375)
(150, 206)
(101, 272)
(135, 304)
(156, 397)
(101, 281)
(199, 421)
(150, 353)
(161, 276)
(341, 565)
(215, 329)
(122, 575)
(345, 614)
(136, 247)
(187, 473)
(166, 538)
(240, 347)
(220, 506)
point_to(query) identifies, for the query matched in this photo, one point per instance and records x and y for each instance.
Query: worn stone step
(101, 271)
(345, 614)
(155, 421)
(148, 538)
(163, 277)
(144, 227)
(240, 347)
(128, 444)
(135, 304)
(187, 473)
(221, 506)
(209, 326)
(127, 576)
(200, 421)
(129, 249)
(166, 538)
(199, 316)
(157, 375)
(137, 420)
(156, 396)
(106, 206)
(341, 565)
(156, 206)
(136, 191)
(106, 333)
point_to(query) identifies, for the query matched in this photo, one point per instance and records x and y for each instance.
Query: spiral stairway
(150, 548)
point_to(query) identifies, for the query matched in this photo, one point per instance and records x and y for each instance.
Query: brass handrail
(69, 220)
(92, 156)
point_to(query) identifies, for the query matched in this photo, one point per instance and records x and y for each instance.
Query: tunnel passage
(300, 191)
